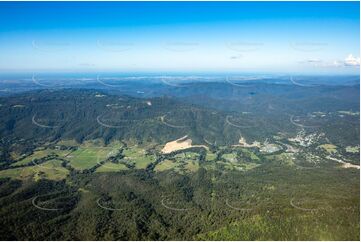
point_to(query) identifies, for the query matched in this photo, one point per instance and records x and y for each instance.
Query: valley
(85, 161)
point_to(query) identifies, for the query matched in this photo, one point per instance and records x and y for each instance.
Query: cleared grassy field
(250, 154)
(284, 158)
(248, 165)
(165, 165)
(51, 170)
(187, 156)
(68, 143)
(185, 162)
(137, 156)
(211, 156)
(111, 167)
(90, 152)
(240, 166)
(41, 154)
(87, 157)
(330, 148)
(231, 157)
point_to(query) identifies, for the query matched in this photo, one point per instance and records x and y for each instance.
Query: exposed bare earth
(179, 144)
(243, 143)
(344, 164)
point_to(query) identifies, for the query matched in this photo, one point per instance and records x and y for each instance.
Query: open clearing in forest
(179, 144)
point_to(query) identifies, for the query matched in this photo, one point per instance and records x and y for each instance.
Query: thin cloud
(349, 61)
(352, 61)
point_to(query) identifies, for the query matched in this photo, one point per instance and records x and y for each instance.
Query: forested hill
(82, 114)
(90, 114)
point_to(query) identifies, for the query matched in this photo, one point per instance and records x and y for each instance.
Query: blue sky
(280, 37)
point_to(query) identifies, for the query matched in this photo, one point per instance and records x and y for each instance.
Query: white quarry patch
(243, 143)
(179, 144)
